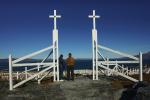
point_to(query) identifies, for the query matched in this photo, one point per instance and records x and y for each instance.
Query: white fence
(20, 75)
(42, 67)
(103, 65)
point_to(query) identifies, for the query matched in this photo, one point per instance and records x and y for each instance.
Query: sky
(25, 26)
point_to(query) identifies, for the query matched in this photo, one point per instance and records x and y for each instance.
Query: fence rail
(4, 75)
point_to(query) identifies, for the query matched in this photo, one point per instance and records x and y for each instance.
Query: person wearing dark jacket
(61, 67)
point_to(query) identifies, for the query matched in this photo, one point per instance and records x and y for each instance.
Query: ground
(82, 88)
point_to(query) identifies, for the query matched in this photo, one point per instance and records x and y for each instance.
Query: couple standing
(70, 66)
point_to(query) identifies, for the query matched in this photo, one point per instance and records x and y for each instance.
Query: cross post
(55, 16)
(94, 19)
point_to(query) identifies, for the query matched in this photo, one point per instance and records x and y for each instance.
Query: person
(61, 66)
(70, 67)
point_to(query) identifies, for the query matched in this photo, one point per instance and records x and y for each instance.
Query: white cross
(55, 17)
(94, 18)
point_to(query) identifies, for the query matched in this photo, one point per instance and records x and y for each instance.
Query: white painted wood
(119, 62)
(141, 67)
(10, 73)
(93, 16)
(35, 75)
(32, 54)
(117, 69)
(26, 74)
(94, 39)
(123, 75)
(49, 65)
(30, 64)
(118, 52)
(55, 16)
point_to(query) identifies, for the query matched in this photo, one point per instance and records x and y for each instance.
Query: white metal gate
(42, 68)
(102, 63)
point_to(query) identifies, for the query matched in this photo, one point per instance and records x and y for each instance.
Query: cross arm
(51, 16)
(91, 16)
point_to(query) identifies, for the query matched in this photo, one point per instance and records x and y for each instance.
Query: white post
(108, 66)
(130, 71)
(39, 82)
(96, 63)
(95, 46)
(54, 61)
(93, 65)
(55, 16)
(17, 76)
(96, 52)
(94, 19)
(116, 68)
(55, 24)
(38, 75)
(57, 57)
(38, 69)
(10, 73)
(127, 71)
(141, 67)
(55, 46)
(123, 69)
(26, 75)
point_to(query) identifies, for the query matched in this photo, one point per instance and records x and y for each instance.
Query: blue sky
(25, 27)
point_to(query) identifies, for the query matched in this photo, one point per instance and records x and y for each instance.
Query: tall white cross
(94, 18)
(55, 17)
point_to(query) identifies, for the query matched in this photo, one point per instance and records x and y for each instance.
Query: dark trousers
(60, 72)
(70, 72)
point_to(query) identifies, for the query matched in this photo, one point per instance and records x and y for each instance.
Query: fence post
(26, 75)
(107, 66)
(17, 76)
(141, 67)
(10, 73)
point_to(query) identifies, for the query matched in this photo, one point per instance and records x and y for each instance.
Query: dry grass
(127, 83)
